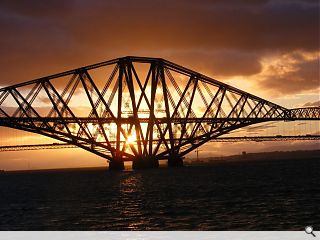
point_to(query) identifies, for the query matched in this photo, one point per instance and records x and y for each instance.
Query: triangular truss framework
(135, 107)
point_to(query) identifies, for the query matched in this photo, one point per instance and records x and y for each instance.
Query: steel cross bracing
(136, 108)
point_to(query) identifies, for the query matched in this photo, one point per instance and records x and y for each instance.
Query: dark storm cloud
(38, 8)
(223, 38)
(184, 24)
(305, 76)
(312, 104)
(219, 63)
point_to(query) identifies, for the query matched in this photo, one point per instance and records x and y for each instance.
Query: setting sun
(131, 139)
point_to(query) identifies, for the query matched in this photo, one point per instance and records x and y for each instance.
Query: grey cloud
(221, 37)
(312, 104)
(305, 77)
(218, 63)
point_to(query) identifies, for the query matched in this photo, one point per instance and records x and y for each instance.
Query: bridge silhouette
(137, 109)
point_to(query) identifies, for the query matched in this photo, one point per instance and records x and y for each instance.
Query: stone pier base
(142, 163)
(116, 165)
(175, 162)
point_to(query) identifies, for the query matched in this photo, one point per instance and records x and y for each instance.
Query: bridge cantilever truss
(136, 108)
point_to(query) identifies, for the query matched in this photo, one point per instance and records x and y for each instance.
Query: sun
(131, 139)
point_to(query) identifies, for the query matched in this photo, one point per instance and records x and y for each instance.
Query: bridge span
(136, 109)
(28, 147)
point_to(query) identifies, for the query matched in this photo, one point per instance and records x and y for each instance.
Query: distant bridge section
(304, 113)
(267, 138)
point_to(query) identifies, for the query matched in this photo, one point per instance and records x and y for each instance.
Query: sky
(268, 48)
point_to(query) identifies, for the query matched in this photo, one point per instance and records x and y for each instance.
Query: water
(274, 195)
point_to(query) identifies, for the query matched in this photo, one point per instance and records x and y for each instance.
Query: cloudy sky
(269, 48)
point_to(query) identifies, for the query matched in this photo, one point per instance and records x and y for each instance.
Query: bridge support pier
(116, 164)
(175, 161)
(142, 163)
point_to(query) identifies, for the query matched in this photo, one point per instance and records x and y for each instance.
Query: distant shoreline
(244, 157)
(261, 157)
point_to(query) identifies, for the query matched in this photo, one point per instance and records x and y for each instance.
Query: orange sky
(268, 48)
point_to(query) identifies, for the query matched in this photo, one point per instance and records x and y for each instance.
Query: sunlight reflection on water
(280, 195)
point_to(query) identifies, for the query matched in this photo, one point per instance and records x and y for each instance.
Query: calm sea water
(274, 195)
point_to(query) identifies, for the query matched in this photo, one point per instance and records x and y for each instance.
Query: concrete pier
(116, 165)
(145, 163)
(175, 161)
(142, 163)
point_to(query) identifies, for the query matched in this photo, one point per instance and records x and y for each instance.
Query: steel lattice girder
(136, 107)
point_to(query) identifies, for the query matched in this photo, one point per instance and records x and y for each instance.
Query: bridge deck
(28, 147)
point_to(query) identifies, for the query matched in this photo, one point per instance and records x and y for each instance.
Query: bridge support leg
(175, 161)
(116, 164)
(142, 163)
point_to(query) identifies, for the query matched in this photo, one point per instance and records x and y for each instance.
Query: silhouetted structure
(136, 109)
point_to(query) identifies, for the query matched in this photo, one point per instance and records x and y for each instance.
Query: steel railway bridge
(137, 109)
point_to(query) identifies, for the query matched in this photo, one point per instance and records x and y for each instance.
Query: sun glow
(131, 139)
